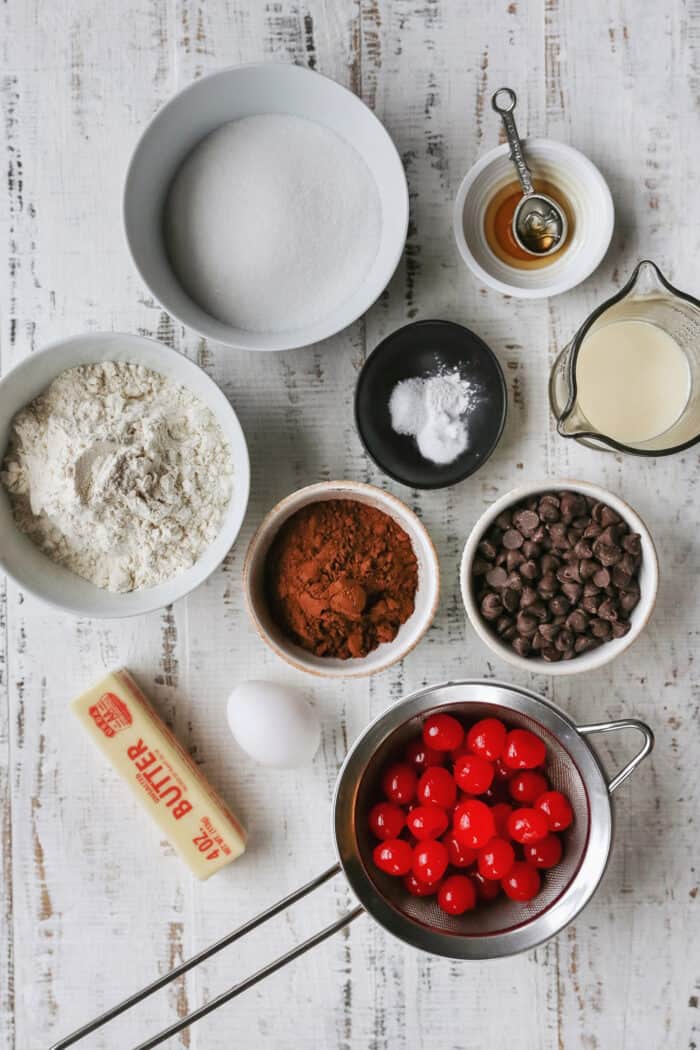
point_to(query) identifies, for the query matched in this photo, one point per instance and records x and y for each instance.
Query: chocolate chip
(521, 645)
(496, 577)
(600, 628)
(526, 521)
(565, 640)
(548, 585)
(559, 605)
(577, 621)
(620, 578)
(527, 597)
(601, 578)
(511, 599)
(549, 631)
(607, 555)
(558, 536)
(549, 563)
(491, 607)
(515, 582)
(551, 655)
(503, 623)
(608, 516)
(572, 591)
(629, 598)
(531, 549)
(629, 563)
(607, 610)
(572, 505)
(514, 559)
(528, 569)
(589, 603)
(583, 549)
(504, 520)
(480, 567)
(632, 543)
(584, 643)
(487, 550)
(526, 624)
(570, 573)
(540, 610)
(588, 568)
(512, 539)
(620, 628)
(549, 509)
(609, 537)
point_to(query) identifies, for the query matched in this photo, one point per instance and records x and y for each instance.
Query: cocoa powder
(341, 578)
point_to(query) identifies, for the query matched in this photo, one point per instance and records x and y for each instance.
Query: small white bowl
(585, 189)
(648, 581)
(386, 654)
(243, 91)
(33, 570)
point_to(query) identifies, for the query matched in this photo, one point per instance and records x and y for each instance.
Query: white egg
(274, 724)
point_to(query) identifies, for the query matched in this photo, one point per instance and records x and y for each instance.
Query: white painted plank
(93, 905)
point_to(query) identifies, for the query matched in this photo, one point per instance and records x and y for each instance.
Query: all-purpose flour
(272, 222)
(118, 474)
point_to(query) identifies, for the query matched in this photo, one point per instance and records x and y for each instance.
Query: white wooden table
(91, 904)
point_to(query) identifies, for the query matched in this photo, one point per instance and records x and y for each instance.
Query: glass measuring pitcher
(672, 321)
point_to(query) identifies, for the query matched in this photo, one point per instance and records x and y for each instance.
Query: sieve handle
(207, 953)
(612, 727)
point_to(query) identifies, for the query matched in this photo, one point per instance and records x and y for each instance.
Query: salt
(272, 222)
(434, 410)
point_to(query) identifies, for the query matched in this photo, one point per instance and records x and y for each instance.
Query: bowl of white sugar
(124, 475)
(266, 207)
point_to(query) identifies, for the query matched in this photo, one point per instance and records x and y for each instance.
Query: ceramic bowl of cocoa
(341, 579)
(559, 577)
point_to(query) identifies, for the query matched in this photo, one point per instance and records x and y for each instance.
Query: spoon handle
(516, 149)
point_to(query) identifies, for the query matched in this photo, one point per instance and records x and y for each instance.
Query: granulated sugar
(434, 410)
(272, 222)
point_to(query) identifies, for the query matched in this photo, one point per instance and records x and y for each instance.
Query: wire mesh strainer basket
(500, 929)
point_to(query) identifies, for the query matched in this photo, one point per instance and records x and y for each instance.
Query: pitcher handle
(611, 727)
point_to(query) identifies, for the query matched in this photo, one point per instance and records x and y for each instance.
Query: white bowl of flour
(130, 466)
(266, 207)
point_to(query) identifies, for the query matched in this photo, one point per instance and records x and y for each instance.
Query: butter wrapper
(160, 773)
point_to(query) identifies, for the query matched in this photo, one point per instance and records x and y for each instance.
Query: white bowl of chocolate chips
(559, 577)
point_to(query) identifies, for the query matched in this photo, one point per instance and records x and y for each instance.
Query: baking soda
(434, 410)
(272, 222)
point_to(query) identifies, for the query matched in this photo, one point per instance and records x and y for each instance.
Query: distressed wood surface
(91, 904)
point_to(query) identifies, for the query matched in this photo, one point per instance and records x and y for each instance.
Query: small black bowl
(417, 350)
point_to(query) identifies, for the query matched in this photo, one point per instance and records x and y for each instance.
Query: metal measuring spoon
(539, 224)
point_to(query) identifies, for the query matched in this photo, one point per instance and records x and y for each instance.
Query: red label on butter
(110, 714)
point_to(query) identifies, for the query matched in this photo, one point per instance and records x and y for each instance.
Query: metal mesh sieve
(502, 927)
(502, 914)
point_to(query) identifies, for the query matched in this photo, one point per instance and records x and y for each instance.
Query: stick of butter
(160, 773)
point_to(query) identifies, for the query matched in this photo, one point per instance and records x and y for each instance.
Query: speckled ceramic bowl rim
(294, 655)
(609, 650)
(576, 276)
